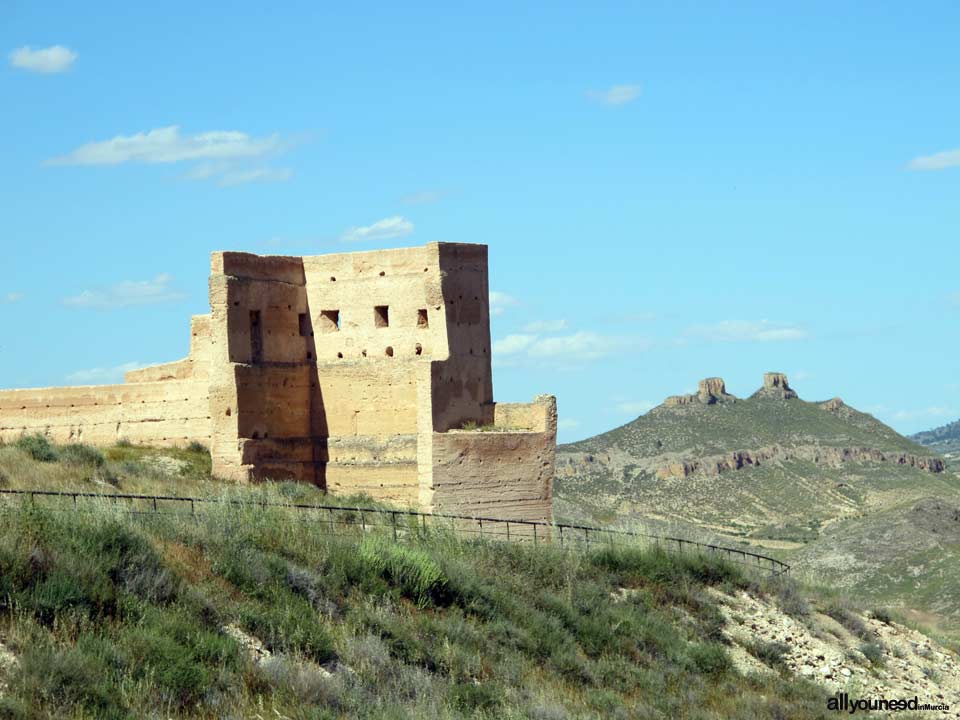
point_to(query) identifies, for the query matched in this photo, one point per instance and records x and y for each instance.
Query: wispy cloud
(127, 294)
(103, 375)
(747, 331)
(513, 344)
(391, 227)
(615, 95)
(937, 161)
(228, 157)
(167, 145)
(634, 407)
(11, 297)
(500, 301)
(545, 326)
(53, 59)
(559, 350)
(423, 197)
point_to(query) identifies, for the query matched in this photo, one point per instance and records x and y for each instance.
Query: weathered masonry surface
(359, 372)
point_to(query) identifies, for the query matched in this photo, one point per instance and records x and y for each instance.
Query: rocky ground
(902, 662)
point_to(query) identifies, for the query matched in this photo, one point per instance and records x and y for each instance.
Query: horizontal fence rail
(404, 522)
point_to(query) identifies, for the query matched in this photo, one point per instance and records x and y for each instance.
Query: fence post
(534, 535)
(586, 535)
(155, 504)
(508, 531)
(193, 507)
(424, 524)
(74, 501)
(561, 536)
(393, 519)
(480, 520)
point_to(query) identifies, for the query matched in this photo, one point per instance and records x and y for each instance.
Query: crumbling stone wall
(353, 371)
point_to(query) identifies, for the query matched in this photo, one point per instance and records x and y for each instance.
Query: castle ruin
(362, 372)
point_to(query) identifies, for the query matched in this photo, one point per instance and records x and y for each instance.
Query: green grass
(119, 616)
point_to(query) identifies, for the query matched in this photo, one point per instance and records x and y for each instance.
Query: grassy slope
(115, 616)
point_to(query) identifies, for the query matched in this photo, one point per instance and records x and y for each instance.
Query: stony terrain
(884, 660)
(826, 487)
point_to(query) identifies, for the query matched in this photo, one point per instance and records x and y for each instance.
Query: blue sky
(669, 191)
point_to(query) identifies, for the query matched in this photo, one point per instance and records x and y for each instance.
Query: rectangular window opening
(422, 320)
(329, 320)
(304, 325)
(381, 316)
(256, 337)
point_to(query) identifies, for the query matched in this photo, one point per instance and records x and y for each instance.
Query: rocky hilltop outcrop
(775, 385)
(709, 391)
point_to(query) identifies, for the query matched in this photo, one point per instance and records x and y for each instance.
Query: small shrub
(873, 652)
(848, 619)
(412, 570)
(124, 443)
(197, 447)
(38, 447)
(471, 697)
(771, 654)
(709, 658)
(4, 481)
(883, 615)
(65, 680)
(80, 454)
(789, 598)
(289, 625)
(12, 709)
(304, 681)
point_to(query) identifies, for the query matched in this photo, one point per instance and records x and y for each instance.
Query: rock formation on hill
(775, 385)
(709, 391)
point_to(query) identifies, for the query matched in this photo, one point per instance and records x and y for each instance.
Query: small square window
(422, 320)
(329, 320)
(381, 316)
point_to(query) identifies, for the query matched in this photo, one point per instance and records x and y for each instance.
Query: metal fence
(401, 524)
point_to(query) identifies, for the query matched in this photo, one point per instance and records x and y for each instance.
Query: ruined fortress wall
(160, 405)
(158, 413)
(506, 474)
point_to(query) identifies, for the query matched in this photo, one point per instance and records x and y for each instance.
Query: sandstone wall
(155, 413)
(506, 474)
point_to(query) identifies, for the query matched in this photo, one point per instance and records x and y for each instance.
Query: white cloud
(558, 350)
(391, 227)
(747, 331)
(53, 59)
(128, 293)
(583, 345)
(11, 297)
(500, 301)
(567, 424)
(545, 326)
(101, 376)
(166, 145)
(937, 161)
(616, 95)
(513, 344)
(423, 197)
(635, 407)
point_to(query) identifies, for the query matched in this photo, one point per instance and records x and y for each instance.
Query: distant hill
(770, 470)
(944, 440)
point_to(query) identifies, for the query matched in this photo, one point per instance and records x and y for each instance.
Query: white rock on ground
(913, 664)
